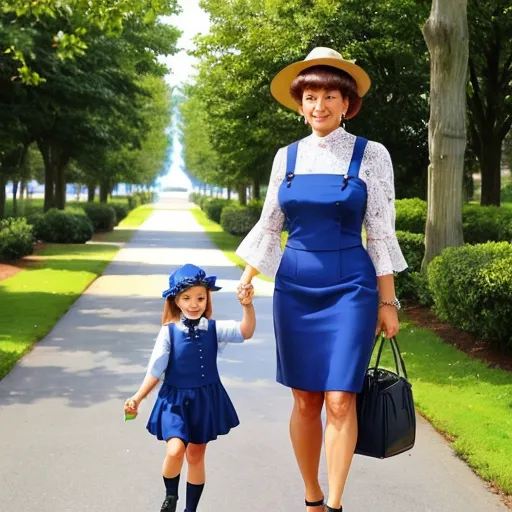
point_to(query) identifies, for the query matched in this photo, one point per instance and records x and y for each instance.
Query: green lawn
(462, 398)
(32, 301)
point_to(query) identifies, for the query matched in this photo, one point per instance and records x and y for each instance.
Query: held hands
(245, 293)
(387, 321)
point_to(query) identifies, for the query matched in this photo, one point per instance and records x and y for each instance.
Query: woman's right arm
(261, 248)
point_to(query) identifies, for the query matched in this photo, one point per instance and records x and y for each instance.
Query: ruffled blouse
(261, 248)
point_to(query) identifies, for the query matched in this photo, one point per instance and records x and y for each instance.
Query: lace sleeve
(382, 243)
(261, 248)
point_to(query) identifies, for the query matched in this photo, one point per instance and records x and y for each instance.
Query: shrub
(486, 224)
(57, 226)
(134, 202)
(411, 284)
(121, 211)
(506, 193)
(16, 239)
(194, 197)
(411, 215)
(239, 220)
(213, 208)
(472, 289)
(102, 216)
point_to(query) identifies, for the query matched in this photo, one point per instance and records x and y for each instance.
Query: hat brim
(280, 85)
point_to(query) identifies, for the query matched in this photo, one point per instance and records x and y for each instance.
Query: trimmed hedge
(121, 211)
(411, 284)
(102, 216)
(411, 215)
(16, 239)
(486, 224)
(239, 220)
(213, 208)
(472, 289)
(62, 227)
(140, 198)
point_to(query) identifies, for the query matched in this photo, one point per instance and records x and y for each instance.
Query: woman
(331, 294)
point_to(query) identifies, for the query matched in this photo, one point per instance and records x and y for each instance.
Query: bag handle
(397, 356)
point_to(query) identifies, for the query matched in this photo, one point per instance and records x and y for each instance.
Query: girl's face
(323, 109)
(193, 302)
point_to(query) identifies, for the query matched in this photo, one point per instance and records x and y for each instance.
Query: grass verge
(463, 398)
(127, 227)
(33, 300)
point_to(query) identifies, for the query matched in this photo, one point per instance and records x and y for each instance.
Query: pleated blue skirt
(195, 415)
(325, 315)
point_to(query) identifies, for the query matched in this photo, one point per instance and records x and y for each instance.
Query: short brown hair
(327, 78)
(172, 313)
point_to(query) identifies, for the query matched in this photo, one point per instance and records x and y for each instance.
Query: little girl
(192, 407)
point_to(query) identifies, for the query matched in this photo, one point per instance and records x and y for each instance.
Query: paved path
(64, 447)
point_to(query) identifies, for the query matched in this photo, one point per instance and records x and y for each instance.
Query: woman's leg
(340, 441)
(306, 436)
(173, 461)
(196, 475)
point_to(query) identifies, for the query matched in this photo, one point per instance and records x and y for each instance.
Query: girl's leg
(340, 441)
(172, 465)
(196, 475)
(306, 436)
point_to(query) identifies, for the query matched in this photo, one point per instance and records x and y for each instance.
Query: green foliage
(102, 216)
(411, 215)
(472, 289)
(506, 191)
(239, 220)
(62, 227)
(121, 211)
(411, 284)
(486, 224)
(214, 207)
(16, 239)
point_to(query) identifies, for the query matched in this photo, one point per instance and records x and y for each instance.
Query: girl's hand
(245, 293)
(388, 321)
(131, 405)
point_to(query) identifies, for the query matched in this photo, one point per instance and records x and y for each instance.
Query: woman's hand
(131, 406)
(387, 321)
(245, 293)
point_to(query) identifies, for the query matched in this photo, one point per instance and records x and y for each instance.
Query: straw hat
(320, 56)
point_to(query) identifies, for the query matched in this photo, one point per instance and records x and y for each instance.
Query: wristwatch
(395, 302)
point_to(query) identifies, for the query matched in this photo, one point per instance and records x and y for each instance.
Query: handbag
(385, 408)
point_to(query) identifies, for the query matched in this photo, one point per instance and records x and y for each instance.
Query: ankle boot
(169, 504)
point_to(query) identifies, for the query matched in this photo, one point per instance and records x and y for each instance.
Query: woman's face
(193, 301)
(323, 109)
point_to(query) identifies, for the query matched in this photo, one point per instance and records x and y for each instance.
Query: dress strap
(171, 342)
(291, 160)
(357, 157)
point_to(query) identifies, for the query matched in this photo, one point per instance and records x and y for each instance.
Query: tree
(446, 34)
(490, 91)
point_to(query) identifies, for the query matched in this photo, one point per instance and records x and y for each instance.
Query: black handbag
(385, 408)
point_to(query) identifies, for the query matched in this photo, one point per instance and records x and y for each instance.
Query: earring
(343, 119)
(305, 120)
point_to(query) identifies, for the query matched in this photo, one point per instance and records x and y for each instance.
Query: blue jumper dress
(326, 298)
(192, 403)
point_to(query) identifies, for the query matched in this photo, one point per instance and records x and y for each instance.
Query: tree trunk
(91, 191)
(242, 195)
(490, 162)
(104, 191)
(446, 35)
(229, 194)
(23, 189)
(15, 184)
(3, 183)
(256, 189)
(60, 186)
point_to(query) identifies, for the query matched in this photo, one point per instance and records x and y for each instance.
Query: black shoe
(169, 504)
(318, 503)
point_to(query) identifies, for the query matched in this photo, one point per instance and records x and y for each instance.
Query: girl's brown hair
(172, 313)
(327, 78)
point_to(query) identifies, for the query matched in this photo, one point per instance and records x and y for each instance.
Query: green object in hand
(128, 416)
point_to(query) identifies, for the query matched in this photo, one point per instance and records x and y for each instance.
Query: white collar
(328, 140)
(202, 325)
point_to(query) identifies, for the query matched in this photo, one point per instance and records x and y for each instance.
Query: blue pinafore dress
(325, 298)
(192, 403)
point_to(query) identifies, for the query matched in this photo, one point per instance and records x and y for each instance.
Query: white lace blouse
(261, 248)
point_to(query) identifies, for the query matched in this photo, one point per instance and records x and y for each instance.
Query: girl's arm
(156, 367)
(248, 323)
